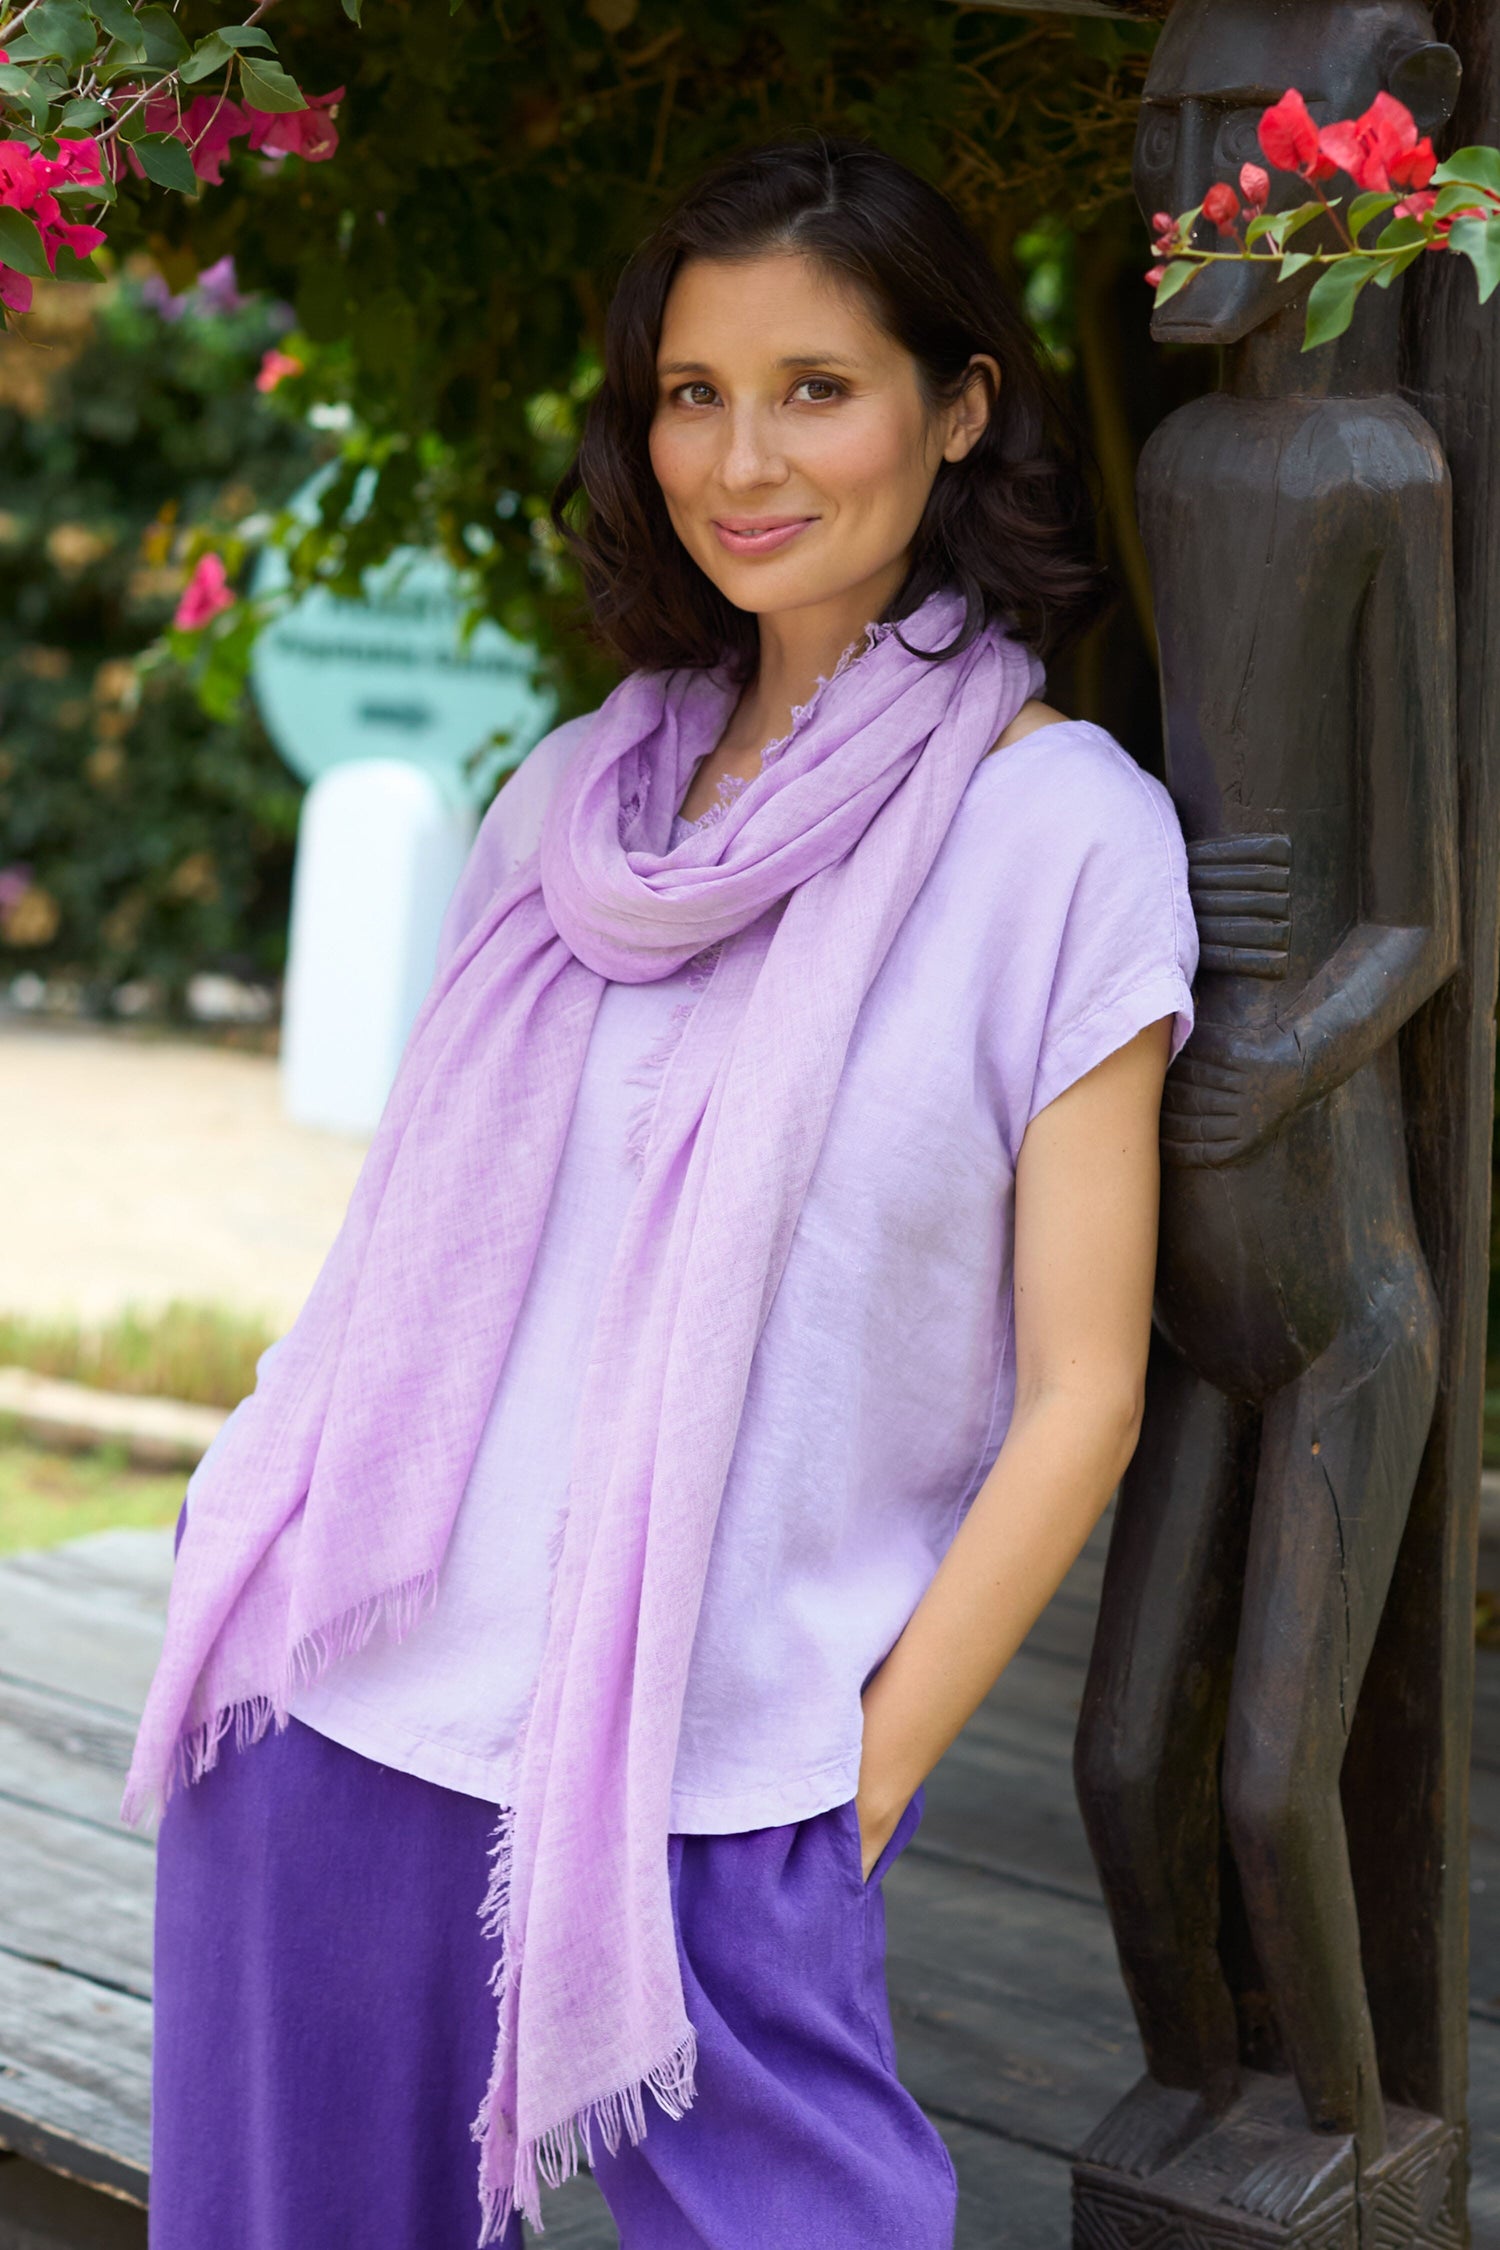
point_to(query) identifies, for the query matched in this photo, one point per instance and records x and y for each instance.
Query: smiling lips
(759, 535)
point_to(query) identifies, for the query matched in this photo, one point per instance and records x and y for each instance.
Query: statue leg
(1147, 1754)
(1340, 1450)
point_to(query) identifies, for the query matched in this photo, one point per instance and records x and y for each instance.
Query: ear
(969, 415)
(1426, 77)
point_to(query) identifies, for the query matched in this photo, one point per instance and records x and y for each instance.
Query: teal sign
(393, 676)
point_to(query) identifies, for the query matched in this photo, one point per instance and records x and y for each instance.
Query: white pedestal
(379, 851)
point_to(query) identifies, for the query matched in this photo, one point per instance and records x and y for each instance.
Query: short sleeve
(1126, 945)
(509, 832)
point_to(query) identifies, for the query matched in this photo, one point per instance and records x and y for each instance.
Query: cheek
(878, 463)
(676, 461)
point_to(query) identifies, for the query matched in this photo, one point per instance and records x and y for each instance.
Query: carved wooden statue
(1299, 529)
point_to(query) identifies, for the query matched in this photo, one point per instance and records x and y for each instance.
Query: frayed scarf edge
(552, 2157)
(196, 1751)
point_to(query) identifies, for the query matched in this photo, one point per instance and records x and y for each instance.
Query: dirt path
(134, 1170)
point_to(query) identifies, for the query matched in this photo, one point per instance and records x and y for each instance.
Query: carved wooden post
(1273, 1752)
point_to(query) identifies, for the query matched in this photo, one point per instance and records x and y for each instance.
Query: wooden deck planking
(1011, 2019)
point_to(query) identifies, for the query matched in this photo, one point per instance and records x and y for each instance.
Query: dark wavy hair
(1010, 527)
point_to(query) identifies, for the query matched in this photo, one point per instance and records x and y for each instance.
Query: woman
(738, 1325)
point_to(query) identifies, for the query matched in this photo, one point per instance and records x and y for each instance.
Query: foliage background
(158, 838)
(450, 267)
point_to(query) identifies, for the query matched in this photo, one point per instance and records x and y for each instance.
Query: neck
(1362, 363)
(799, 647)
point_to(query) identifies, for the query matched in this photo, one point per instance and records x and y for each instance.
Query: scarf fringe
(554, 2156)
(197, 1750)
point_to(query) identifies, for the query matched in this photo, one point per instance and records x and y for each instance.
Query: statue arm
(1233, 1088)
(1405, 944)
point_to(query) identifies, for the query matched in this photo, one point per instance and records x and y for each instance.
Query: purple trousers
(324, 2028)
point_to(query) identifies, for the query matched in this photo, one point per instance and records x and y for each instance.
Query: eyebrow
(791, 360)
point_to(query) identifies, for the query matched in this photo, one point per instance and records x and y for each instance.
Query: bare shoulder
(1028, 720)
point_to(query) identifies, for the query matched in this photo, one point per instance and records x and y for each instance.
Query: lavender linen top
(1055, 925)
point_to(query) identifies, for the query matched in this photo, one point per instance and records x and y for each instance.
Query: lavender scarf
(326, 1505)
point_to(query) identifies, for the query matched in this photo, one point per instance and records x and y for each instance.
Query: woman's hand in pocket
(878, 1815)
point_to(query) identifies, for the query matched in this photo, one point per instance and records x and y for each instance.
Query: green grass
(197, 1352)
(47, 1497)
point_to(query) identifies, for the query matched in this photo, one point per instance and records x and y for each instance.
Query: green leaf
(217, 51)
(116, 17)
(166, 49)
(29, 87)
(265, 85)
(21, 245)
(1176, 278)
(1260, 227)
(1386, 273)
(166, 162)
(63, 28)
(1478, 240)
(1330, 308)
(70, 268)
(1294, 261)
(1403, 234)
(79, 116)
(352, 8)
(1479, 166)
(1303, 216)
(1457, 196)
(1364, 208)
(122, 58)
(132, 126)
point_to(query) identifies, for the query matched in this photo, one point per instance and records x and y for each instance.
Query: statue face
(1218, 66)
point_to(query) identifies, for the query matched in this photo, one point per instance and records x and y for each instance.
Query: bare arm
(1085, 1262)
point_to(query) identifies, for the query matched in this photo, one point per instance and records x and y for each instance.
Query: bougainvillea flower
(209, 127)
(1157, 276)
(1255, 186)
(1382, 149)
(309, 133)
(275, 367)
(15, 290)
(1290, 140)
(75, 164)
(1222, 206)
(15, 880)
(205, 594)
(20, 183)
(81, 240)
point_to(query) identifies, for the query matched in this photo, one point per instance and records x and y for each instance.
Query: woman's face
(791, 439)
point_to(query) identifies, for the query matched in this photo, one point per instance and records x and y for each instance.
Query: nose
(752, 457)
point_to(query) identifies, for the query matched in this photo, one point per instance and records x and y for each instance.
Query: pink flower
(208, 128)
(20, 184)
(1382, 149)
(1255, 186)
(81, 240)
(75, 162)
(275, 368)
(1156, 276)
(309, 133)
(205, 594)
(1291, 140)
(15, 290)
(1222, 206)
(15, 882)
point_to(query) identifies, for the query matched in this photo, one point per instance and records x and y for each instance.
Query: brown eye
(819, 389)
(697, 394)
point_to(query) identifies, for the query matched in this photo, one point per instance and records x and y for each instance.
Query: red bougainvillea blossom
(1290, 139)
(1255, 187)
(205, 594)
(26, 184)
(1221, 206)
(208, 127)
(275, 367)
(1381, 150)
